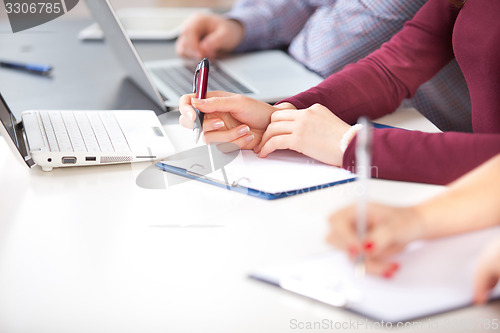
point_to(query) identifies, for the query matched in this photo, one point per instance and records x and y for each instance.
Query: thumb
(379, 240)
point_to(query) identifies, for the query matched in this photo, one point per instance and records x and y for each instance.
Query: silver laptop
(62, 138)
(266, 75)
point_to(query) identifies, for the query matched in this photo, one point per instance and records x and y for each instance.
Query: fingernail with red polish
(368, 246)
(389, 273)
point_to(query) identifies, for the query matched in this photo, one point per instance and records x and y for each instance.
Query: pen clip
(195, 78)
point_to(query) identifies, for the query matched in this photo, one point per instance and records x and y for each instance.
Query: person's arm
(376, 85)
(270, 24)
(342, 32)
(434, 158)
(470, 203)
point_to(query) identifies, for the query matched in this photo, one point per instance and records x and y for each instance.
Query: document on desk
(435, 276)
(283, 173)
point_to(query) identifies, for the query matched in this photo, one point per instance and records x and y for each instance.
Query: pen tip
(196, 133)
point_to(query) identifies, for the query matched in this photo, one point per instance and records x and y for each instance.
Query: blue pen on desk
(363, 172)
(27, 67)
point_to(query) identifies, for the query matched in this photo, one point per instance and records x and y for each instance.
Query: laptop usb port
(69, 160)
(90, 159)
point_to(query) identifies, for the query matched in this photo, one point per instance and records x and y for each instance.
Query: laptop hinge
(21, 143)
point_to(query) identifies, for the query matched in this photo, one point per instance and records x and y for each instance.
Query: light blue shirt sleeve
(327, 35)
(271, 23)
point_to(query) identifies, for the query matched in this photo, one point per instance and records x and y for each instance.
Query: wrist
(420, 220)
(348, 136)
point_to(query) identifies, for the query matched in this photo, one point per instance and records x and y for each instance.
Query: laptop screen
(8, 120)
(10, 127)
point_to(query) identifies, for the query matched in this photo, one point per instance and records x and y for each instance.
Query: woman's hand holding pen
(228, 117)
(389, 230)
(315, 132)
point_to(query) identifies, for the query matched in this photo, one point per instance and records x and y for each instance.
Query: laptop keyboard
(82, 131)
(180, 79)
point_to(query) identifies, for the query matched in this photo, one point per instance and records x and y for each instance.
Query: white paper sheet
(435, 276)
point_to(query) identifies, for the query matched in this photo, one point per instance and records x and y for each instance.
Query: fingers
(390, 229)
(188, 115)
(487, 272)
(219, 102)
(212, 44)
(209, 124)
(284, 141)
(209, 35)
(485, 282)
(284, 115)
(227, 136)
(380, 268)
(212, 124)
(343, 231)
(343, 235)
(274, 129)
(186, 122)
(379, 240)
(281, 123)
(246, 142)
(187, 44)
(196, 28)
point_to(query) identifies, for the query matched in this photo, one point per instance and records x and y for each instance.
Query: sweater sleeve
(270, 24)
(376, 85)
(435, 158)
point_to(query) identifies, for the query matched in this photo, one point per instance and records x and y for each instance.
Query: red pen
(200, 84)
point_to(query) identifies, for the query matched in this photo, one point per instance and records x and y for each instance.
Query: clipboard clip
(195, 77)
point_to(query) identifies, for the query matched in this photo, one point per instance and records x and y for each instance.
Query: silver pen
(363, 172)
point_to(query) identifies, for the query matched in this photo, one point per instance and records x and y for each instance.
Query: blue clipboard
(222, 154)
(237, 187)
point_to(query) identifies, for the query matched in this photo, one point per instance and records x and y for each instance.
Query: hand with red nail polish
(470, 203)
(389, 272)
(368, 246)
(389, 230)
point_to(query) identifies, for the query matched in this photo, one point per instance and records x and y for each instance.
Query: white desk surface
(87, 250)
